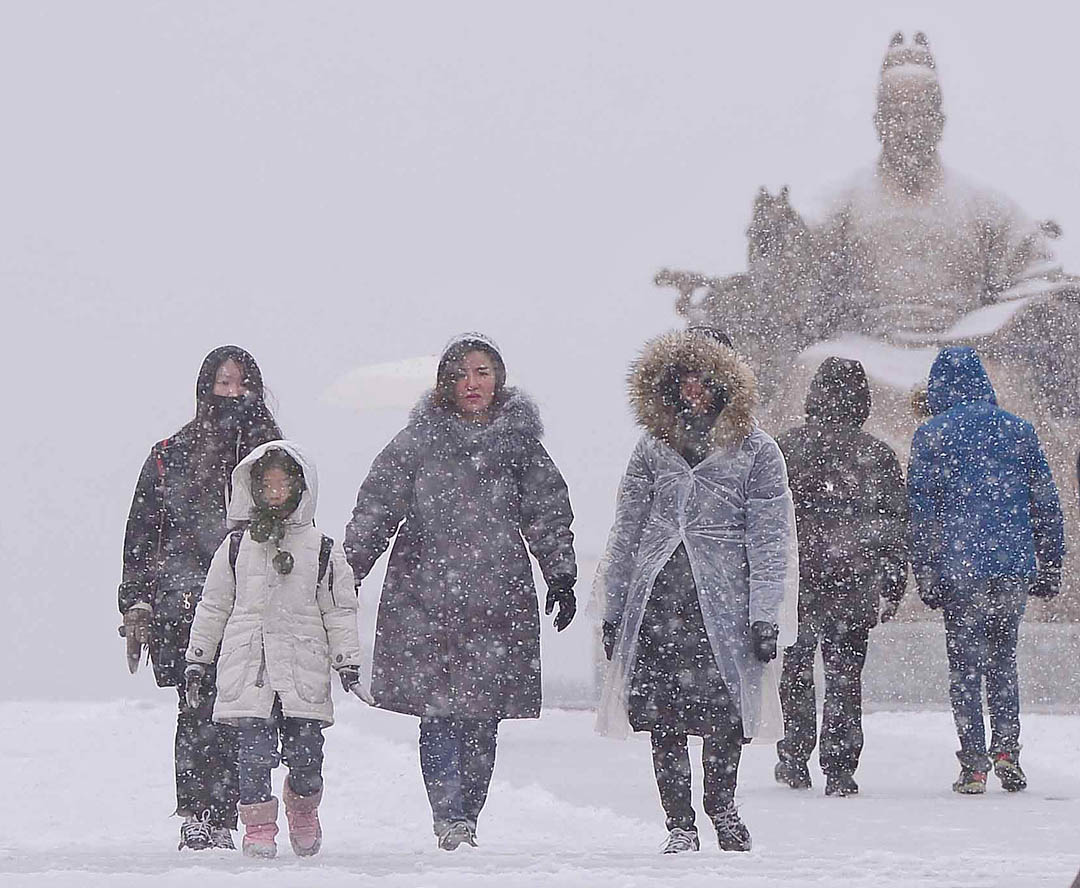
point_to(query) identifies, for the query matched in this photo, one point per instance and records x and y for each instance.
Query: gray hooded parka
(458, 629)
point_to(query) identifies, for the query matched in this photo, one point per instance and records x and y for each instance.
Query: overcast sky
(331, 184)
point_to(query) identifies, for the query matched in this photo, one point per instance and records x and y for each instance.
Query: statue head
(909, 117)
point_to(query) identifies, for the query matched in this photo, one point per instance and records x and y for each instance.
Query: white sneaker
(455, 833)
(680, 840)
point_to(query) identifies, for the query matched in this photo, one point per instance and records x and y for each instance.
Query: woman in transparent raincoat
(700, 579)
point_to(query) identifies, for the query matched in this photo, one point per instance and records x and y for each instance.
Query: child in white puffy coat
(280, 601)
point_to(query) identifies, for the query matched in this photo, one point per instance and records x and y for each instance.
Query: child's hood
(242, 503)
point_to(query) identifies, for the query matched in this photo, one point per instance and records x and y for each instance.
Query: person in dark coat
(987, 531)
(176, 523)
(699, 579)
(851, 509)
(458, 633)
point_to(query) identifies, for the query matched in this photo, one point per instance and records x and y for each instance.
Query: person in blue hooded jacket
(986, 531)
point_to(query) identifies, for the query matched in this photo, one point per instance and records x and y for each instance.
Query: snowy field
(89, 787)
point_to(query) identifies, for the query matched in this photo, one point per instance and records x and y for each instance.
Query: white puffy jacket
(278, 633)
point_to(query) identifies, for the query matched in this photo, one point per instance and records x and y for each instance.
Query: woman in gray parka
(457, 639)
(700, 579)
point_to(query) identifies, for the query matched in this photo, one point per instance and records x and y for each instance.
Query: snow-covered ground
(88, 788)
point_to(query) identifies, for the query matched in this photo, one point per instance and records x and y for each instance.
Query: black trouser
(671, 761)
(301, 748)
(843, 649)
(205, 759)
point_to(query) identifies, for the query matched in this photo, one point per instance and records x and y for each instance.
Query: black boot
(792, 773)
(841, 785)
(731, 832)
(1008, 771)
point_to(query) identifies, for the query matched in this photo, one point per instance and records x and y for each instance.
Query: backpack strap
(159, 461)
(325, 546)
(234, 548)
(324, 562)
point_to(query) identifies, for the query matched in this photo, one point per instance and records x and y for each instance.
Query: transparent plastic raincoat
(733, 512)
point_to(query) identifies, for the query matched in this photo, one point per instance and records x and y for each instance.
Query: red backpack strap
(159, 458)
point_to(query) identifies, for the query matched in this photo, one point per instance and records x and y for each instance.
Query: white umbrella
(391, 384)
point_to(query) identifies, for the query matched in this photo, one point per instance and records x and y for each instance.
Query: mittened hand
(763, 640)
(562, 593)
(888, 610)
(611, 632)
(350, 681)
(193, 679)
(1047, 582)
(136, 632)
(137, 623)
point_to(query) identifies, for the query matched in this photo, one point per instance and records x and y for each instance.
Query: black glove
(561, 590)
(610, 633)
(937, 595)
(1047, 581)
(193, 678)
(934, 589)
(763, 639)
(350, 681)
(888, 609)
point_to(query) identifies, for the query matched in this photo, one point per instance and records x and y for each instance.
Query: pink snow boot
(260, 821)
(305, 831)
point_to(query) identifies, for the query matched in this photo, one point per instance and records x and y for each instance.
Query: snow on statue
(910, 258)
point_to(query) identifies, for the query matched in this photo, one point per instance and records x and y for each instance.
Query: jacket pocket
(311, 670)
(234, 665)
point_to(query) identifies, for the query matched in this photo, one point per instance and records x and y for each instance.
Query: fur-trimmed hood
(650, 378)
(515, 421)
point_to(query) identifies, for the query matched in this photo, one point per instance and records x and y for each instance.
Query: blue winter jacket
(983, 502)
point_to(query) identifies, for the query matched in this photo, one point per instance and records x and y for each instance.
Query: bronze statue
(910, 258)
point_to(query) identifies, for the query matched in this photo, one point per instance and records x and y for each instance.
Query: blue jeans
(982, 621)
(457, 758)
(301, 749)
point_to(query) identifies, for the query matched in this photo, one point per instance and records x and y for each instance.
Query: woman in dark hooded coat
(851, 509)
(458, 634)
(176, 523)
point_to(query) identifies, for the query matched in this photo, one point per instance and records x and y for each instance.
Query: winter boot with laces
(970, 781)
(680, 840)
(1008, 771)
(793, 774)
(731, 832)
(221, 838)
(454, 833)
(302, 812)
(195, 832)
(260, 828)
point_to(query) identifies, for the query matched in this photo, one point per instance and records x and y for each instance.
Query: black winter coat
(850, 501)
(458, 629)
(177, 516)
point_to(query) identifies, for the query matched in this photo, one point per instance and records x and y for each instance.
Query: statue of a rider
(910, 257)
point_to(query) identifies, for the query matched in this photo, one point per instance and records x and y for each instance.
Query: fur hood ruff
(515, 421)
(650, 378)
